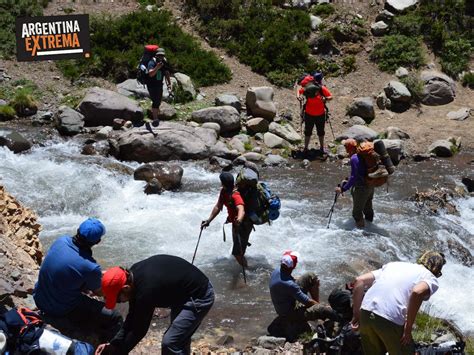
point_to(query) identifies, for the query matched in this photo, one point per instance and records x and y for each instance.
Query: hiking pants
(156, 94)
(311, 121)
(243, 231)
(362, 197)
(184, 322)
(379, 336)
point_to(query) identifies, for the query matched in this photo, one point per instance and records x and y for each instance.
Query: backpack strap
(29, 317)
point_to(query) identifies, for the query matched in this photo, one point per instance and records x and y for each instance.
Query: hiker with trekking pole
(314, 94)
(241, 226)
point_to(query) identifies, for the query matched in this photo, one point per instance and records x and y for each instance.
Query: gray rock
(395, 149)
(100, 107)
(131, 87)
(439, 89)
(104, 132)
(397, 92)
(399, 6)
(362, 107)
(286, 132)
(14, 141)
(395, 133)
(186, 84)
(269, 342)
(382, 101)
(251, 156)
(273, 141)
(385, 16)
(359, 133)
(167, 112)
(445, 338)
(228, 100)
(241, 160)
(44, 115)
(259, 137)
(379, 28)
(69, 122)
(220, 149)
(222, 163)
(169, 175)
(3, 102)
(257, 125)
(257, 149)
(237, 144)
(227, 117)
(153, 187)
(401, 72)
(315, 22)
(356, 121)
(212, 125)
(243, 138)
(259, 102)
(341, 151)
(274, 160)
(442, 148)
(459, 115)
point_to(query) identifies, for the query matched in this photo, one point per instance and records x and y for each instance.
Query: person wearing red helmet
(163, 281)
(291, 301)
(67, 273)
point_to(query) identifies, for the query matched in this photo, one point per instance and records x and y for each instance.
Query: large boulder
(226, 116)
(131, 87)
(237, 144)
(13, 141)
(228, 100)
(315, 22)
(439, 89)
(274, 160)
(167, 112)
(273, 141)
(169, 175)
(252, 156)
(395, 149)
(442, 148)
(286, 132)
(69, 122)
(385, 16)
(395, 133)
(399, 6)
(359, 133)
(186, 84)
(257, 125)
(100, 107)
(174, 141)
(220, 149)
(379, 28)
(397, 92)
(362, 107)
(259, 102)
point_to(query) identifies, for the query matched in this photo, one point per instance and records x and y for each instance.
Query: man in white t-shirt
(386, 313)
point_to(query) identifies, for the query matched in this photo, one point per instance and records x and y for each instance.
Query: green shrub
(71, 100)
(283, 79)
(7, 113)
(394, 51)
(117, 46)
(349, 64)
(409, 24)
(414, 85)
(9, 11)
(455, 56)
(23, 101)
(248, 146)
(323, 10)
(468, 80)
(181, 96)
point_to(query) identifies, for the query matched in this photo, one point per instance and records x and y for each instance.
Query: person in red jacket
(314, 108)
(241, 226)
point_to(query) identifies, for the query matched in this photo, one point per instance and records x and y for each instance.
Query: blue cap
(91, 230)
(318, 76)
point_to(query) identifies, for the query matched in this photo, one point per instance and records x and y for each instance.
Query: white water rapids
(64, 188)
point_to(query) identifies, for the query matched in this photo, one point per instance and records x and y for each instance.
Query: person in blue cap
(68, 275)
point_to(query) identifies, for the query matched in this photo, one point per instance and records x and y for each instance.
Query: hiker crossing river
(65, 187)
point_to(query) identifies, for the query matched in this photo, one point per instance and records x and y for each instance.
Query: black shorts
(156, 94)
(243, 231)
(311, 121)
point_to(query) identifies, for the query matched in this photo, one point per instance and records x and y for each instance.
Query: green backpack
(311, 90)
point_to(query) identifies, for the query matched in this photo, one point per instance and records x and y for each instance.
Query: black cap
(227, 180)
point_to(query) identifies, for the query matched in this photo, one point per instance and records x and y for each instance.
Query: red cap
(112, 282)
(289, 259)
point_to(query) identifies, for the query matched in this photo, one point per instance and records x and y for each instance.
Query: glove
(205, 224)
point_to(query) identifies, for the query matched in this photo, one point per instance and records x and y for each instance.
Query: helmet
(318, 76)
(91, 230)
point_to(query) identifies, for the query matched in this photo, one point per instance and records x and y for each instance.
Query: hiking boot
(360, 224)
(155, 123)
(380, 172)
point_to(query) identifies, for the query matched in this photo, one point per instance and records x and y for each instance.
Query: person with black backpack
(152, 70)
(316, 94)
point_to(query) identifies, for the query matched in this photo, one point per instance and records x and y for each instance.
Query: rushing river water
(64, 188)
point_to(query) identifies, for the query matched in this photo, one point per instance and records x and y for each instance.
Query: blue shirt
(358, 172)
(66, 271)
(285, 292)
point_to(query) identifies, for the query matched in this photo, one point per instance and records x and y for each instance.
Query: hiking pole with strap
(329, 120)
(242, 256)
(301, 115)
(195, 250)
(332, 207)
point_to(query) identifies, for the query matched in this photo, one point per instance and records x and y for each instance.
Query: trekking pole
(332, 208)
(242, 255)
(329, 121)
(195, 250)
(301, 116)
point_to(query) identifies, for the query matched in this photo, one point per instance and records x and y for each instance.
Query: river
(64, 187)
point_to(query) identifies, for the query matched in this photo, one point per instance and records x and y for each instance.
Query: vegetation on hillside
(117, 46)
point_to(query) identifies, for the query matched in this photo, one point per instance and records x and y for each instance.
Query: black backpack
(312, 89)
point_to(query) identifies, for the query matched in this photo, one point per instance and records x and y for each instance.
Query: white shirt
(389, 294)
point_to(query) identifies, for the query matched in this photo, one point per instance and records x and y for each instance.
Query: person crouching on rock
(241, 226)
(291, 302)
(163, 281)
(362, 193)
(68, 272)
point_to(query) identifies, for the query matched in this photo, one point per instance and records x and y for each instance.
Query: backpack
(312, 89)
(365, 150)
(261, 205)
(142, 68)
